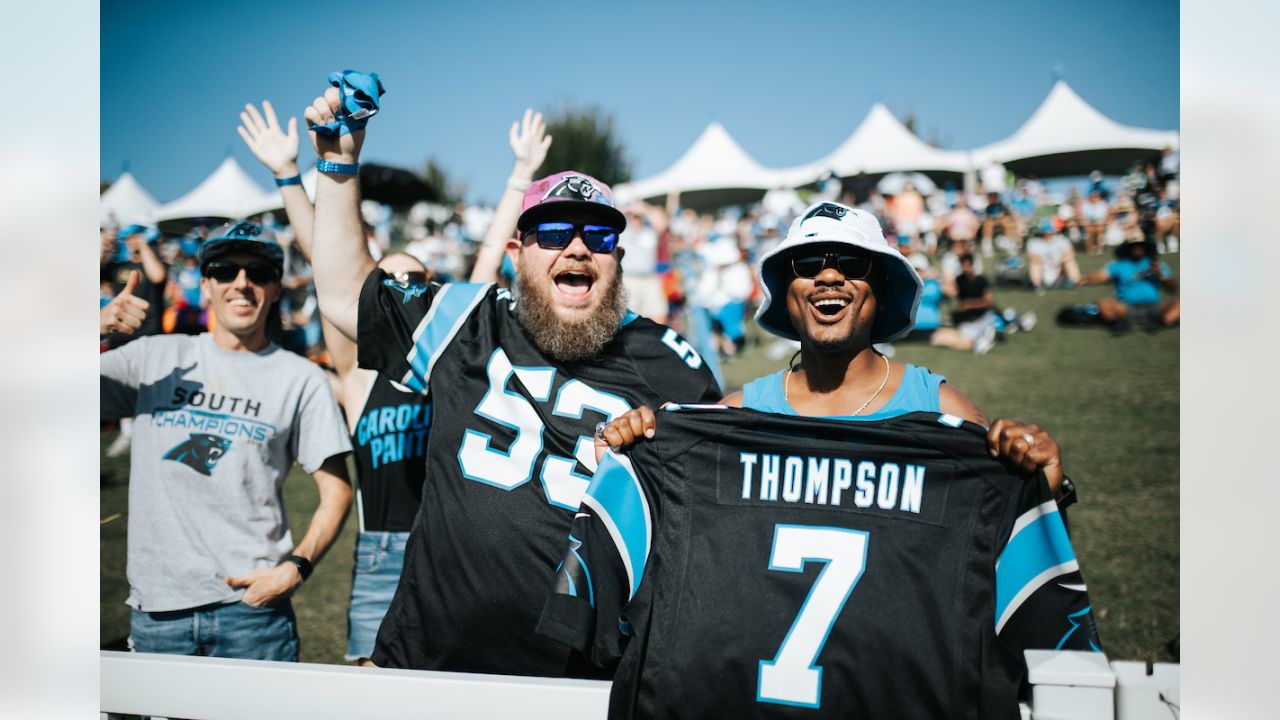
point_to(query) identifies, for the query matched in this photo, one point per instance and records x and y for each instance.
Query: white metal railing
(218, 688)
(1065, 684)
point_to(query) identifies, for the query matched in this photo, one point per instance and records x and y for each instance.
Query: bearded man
(518, 383)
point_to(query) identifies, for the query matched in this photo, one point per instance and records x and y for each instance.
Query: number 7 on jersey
(792, 678)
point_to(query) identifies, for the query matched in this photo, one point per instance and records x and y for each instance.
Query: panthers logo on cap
(573, 187)
(244, 230)
(828, 210)
(200, 452)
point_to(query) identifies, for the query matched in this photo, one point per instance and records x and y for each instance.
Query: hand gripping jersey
(744, 564)
(510, 455)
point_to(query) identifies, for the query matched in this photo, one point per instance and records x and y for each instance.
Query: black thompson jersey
(390, 448)
(744, 564)
(510, 455)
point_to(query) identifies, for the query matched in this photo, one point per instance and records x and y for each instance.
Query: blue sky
(788, 80)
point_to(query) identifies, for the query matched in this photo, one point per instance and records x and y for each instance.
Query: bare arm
(151, 264)
(278, 151)
(340, 259)
(529, 143)
(953, 402)
(342, 351)
(335, 501)
(1096, 277)
(271, 585)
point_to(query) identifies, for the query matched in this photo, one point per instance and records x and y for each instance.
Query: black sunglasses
(225, 272)
(558, 236)
(852, 267)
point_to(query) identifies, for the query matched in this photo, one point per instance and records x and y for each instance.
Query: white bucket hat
(833, 223)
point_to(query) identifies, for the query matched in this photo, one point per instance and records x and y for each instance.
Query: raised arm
(152, 265)
(340, 259)
(529, 143)
(278, 151)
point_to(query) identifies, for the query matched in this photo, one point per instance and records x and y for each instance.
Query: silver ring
(1031, 441)
(600, 426)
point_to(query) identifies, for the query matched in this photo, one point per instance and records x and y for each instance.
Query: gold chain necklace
(786, 388)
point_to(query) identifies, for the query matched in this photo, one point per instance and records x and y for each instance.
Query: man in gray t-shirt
(220, 419)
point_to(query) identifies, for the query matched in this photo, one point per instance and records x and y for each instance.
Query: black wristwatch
(305, 567)
(1068, 493)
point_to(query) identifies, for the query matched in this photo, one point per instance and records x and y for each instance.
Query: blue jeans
(231, 630)
(379, 560)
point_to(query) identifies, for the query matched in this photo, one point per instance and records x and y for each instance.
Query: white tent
(1067, 136)
(271, 201)
(227, 193)
(126, 202)
(715, 162)
(880, 144)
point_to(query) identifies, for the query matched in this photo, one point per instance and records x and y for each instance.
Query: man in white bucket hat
(837, 286)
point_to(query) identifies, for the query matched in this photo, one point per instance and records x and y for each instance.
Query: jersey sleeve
(603, 565)
(120, 373)
(403, 329)
(672, 369)
(1041, 599)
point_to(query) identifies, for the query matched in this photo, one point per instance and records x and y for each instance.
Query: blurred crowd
(693, 270)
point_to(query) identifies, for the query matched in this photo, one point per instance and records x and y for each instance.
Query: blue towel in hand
(360, 93)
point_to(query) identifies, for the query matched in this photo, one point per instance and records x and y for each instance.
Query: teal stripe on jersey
(449, 309)
(616, 496)
(1037, 553)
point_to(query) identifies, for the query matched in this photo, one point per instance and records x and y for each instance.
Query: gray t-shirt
(215, 433)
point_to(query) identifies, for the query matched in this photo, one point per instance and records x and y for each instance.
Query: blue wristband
(326, 166)
(295, 180)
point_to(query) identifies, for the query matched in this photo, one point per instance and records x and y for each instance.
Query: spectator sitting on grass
(974, 315)
(1138, 276)
(1050, 256)
(1094, 213)
(928, 327)
(949, 265)
(997, 213)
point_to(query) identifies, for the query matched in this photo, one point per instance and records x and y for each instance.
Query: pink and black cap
(548, 199)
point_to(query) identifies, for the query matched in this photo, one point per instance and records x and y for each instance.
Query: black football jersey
(390, 449)
(510, 455)
(744, 564)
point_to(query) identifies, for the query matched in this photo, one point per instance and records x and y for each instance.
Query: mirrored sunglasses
(558, 236)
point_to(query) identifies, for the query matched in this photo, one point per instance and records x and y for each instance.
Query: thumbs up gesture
(125, 312)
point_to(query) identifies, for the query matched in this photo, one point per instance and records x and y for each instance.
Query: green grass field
(1112, 403)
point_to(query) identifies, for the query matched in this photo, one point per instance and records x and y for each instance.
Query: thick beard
(566, 340)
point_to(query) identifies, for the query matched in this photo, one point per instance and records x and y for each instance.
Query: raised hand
(342, 148)
(269, 143)
(125, 313)
(529, 143)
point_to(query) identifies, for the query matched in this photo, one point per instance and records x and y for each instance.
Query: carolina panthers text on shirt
(872, 484)
(395, 432)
